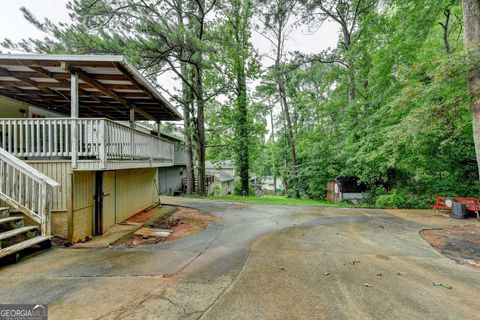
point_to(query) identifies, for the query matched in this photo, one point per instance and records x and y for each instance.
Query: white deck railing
(26, 189)
(97, 139)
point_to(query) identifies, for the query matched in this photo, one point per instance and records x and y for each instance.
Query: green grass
(279, 200)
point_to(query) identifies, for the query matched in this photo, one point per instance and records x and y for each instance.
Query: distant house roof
(225, 164)
(109, 86)
(219, 175)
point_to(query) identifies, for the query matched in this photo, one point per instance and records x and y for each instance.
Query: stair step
(10, 219)
(23, 245)
(14, 232)
(4, 212)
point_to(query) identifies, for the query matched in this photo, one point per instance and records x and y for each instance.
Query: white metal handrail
(96, 138)
(26, 189)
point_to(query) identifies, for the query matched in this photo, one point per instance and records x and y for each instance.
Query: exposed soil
(460, 243)
(182, 222)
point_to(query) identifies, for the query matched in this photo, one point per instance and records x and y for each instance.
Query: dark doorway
(98, 203)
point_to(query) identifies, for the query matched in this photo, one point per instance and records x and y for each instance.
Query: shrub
(401, 199)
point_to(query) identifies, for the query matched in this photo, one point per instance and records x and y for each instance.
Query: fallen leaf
(442, 284)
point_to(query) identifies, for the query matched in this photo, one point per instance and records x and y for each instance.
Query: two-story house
(72, 161)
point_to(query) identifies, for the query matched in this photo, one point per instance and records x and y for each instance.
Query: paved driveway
(258, 262)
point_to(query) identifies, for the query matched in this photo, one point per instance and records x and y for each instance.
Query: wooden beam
(144, 114)
(59, 75)
(48, 74)
(94, 83)
(97, 85)
(138, 84)
(55, 63)
(18, 94)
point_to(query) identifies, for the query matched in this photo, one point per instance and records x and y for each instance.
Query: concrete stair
(15, 236)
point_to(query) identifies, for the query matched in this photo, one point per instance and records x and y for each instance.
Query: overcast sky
(14, 26)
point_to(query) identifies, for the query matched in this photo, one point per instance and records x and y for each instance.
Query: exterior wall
(59, 171)
(135, 191)
(34, 112)
(10, 108)
(228, 187)
(73, 207)
(83, 198)
(170, 179)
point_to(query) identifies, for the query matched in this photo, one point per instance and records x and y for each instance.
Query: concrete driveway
(258, 262)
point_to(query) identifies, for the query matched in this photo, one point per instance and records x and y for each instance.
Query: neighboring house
(170, 178)
(267, 185)
(223, 173)
(71, 157)
(222, 184)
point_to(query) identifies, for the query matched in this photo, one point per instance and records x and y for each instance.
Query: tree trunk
(352, 94)
(188, 136)
(291, 139)
(284, 104)
(200, 131)
(471, 14)
(273, 155)
(242, 114)
(187, 97)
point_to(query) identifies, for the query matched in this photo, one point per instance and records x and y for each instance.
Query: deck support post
(132, 125)
(74, 115)
(132, 117)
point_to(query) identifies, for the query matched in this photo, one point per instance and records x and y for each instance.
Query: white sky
(14, 26)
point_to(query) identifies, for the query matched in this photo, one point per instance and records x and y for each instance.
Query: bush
(237, 188)
(403, 200)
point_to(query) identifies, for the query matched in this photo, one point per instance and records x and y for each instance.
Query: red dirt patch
(183, 222)
(142, 216)
(460, 243)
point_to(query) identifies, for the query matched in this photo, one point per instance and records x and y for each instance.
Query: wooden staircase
(29, 193)
(16, 236)
(209, 179)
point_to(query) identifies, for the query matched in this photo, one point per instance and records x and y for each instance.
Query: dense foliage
(407, 133)
(389, 104)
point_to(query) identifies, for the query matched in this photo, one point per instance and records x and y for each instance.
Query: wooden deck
(91, 143)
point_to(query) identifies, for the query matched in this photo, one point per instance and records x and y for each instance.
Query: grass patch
(280, 200)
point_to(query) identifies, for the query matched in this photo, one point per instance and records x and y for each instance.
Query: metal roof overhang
(109, 86)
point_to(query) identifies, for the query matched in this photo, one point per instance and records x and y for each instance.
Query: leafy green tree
(159, 36)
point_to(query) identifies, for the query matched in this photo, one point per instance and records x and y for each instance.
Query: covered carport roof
(109, 86)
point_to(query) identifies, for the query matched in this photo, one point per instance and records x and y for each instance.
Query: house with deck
(223, 175)
(72, 161)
